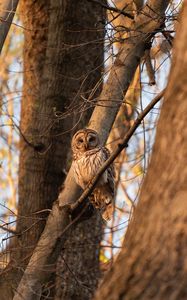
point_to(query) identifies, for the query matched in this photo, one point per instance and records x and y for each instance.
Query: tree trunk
(78, 269)
(63, 60)
(152, 263)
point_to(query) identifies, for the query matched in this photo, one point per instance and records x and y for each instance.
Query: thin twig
(149, 67)
(114, 9)
(12, 231)
(168, 37)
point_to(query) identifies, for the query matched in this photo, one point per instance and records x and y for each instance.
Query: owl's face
(85, 140)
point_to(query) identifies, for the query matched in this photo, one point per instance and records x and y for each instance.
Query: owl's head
(84, 140)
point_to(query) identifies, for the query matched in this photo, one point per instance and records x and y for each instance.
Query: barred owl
(88, 157)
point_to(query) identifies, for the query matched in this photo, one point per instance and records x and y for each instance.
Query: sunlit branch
(7, 11)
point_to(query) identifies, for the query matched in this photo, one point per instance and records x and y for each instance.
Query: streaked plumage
(88, 157)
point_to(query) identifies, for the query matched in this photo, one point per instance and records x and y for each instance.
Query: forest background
(67, 65)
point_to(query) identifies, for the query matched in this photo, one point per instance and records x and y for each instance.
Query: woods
(83, 64)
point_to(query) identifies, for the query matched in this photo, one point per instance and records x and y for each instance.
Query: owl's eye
(80, 141)
(92, 139)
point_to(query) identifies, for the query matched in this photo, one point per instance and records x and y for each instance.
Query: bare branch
(9, 230)
(168, 37)
(114, 9)
(7, 11)
(149, 67)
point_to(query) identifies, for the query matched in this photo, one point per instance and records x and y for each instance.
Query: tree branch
(9, 230)
(149, 67)
(7, 11)
(114, 9)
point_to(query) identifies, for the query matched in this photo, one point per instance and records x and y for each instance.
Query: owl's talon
(107, 201)
(93, 202)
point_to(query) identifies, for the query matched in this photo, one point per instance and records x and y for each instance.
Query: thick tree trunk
(33, 173)
(63, 60)
(53, 84)
(35, 17)
(152, 264)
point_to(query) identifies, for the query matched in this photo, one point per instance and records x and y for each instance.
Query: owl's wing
(110, 171)
(103, 194)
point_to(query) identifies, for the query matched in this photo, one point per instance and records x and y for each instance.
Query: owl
(88, 157)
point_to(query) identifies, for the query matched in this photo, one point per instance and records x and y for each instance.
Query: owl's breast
(87, 166)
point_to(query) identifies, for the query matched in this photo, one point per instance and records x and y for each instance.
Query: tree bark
(152, 263)
(78, 268)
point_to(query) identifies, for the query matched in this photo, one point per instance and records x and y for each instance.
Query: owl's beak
(86, 146)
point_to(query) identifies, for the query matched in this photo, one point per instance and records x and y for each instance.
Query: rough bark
(102, 120)
(63, 60)
(78, 270)
(152, 264)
